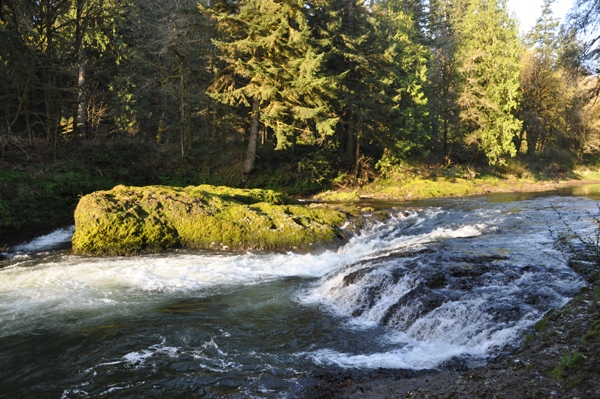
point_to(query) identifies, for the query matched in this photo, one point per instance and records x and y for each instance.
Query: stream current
(441, 283)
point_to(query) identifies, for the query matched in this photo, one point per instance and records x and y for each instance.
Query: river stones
(131, 220)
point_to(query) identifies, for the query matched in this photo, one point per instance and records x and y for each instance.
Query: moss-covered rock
(129, 220)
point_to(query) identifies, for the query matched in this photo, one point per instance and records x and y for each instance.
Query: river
(441, 283)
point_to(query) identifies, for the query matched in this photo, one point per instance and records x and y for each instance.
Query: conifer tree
(399, 75)
(378, 51)
(543, 87)
(543, 36)
(272, 68)
(344, 34)
(489, 52)
(586, 19)
(442, 75)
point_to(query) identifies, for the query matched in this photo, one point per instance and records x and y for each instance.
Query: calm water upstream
(441, 282)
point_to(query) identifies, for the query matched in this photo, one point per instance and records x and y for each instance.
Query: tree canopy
(348, 85)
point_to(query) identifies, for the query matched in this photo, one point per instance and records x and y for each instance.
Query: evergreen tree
(378, 52)
(442, 77)
(172, 58)
(272, 68)
(345, 35)
(545, 94)
(586, 19)
(489, 52)
(399, 76)
(543, 36)
(67, 48)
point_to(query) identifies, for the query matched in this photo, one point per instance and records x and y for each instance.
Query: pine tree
(378, 51)
(344, 34)
(489, 52)
(543, 87)
(272, 68)
(399, 76)
(543, 36)
(586, 19)
(442, 75)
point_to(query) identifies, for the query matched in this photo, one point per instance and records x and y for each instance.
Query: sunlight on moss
(129, 220)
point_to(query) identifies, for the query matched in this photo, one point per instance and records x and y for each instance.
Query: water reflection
(592, 191)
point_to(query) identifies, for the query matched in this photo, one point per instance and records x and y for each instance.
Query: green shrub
(568, 362)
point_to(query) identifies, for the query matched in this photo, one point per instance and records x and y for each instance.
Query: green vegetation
(541, 325)
(44, 199)
(130, 220)
(568, 362)
(300, 96)
(489, 69)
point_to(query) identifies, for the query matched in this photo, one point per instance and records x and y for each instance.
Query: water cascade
(439, 284)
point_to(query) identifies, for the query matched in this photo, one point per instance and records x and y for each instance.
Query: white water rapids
(437, 282)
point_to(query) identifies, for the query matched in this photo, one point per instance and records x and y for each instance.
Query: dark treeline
(367, 85)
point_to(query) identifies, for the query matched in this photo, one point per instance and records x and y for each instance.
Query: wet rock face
(130, 220)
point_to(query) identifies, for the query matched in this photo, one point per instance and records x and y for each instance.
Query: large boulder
(131, 220)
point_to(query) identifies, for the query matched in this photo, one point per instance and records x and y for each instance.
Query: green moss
(128, 220)
(541, 325)
(529, 338)
(568, 362)
(339, 196)
(430, 187)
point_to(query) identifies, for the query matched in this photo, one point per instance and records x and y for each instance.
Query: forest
(298, 95)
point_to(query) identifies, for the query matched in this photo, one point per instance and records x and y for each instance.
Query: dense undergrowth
(40, 186)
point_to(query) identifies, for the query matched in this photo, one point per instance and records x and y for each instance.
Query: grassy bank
(40, 187)
(426, 181)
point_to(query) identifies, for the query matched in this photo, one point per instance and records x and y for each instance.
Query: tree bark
(350, 140)
(357, 157)
(81, 117)
(253, 139)
(182, 116)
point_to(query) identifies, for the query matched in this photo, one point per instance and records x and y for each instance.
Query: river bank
(39, 192)
(440, 184)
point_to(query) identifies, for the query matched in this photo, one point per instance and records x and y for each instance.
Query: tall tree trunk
(81, 117)
(27, 111)
(350, 140)
(532, 140)
(185, 113)
(182, 113)
(50, 104)
(253, 139)
(445, 134)
(188, 108)
(80, 109)
(357, 156)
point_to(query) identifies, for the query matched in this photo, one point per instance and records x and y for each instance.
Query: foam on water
(65, 291)
(460, 329)
(72, 288)
(444, 299)
(46, 242)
